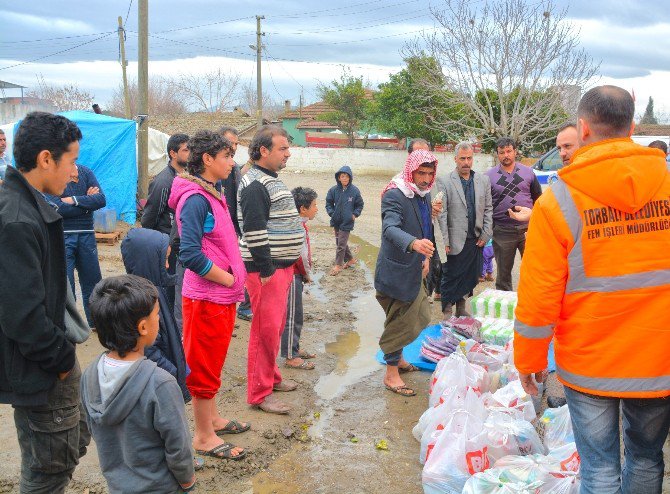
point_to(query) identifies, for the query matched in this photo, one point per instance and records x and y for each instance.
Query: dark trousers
(342, 252)
(172, 269)
(81, 252)
(246, 305)
(506, 241)
(52, 438)
(290, 338)
(178, 313)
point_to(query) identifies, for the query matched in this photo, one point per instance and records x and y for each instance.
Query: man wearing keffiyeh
(403, 260)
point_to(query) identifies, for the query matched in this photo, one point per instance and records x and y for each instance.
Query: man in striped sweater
(271, 242)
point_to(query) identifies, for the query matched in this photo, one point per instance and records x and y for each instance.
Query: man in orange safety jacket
(596, 277)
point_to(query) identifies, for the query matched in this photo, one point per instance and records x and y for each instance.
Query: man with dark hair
(606, 312)
(157, 215)
(512, 185)
(39, 375)
(566, 142)
(272, 239)
(230, 186)
(81, 197)
(4, 159)
(416, 144)
(658, 144)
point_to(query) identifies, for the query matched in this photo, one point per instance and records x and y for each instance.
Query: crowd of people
(220, 241)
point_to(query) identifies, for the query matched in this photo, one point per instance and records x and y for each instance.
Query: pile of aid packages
(480, 432)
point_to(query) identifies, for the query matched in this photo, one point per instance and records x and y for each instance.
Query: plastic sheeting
(108, 148)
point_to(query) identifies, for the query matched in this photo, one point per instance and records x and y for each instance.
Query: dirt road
(327, 444)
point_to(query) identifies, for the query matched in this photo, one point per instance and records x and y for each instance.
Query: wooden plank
(108, 238)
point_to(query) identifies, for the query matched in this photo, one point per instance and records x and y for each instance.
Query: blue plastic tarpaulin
(108, 148)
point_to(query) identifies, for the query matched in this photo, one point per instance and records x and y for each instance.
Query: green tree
(405, 109)
(351, 107)
(648, 118)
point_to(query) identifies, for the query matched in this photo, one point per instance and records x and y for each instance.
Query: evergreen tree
(648, 118)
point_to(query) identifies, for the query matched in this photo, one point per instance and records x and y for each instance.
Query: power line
(53, 39)
(364, 25)
(56, 53)
(128, 13)
(273, 81)
(357, 40)
(331, 10)
(358, 12)
(205, 25)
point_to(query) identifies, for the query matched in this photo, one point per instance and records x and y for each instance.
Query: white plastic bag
(456, 371)
(517, 402)
(455, 400)
(508, 435)
(491, 357)
(458, 452)
(494, 481)
(557, 427)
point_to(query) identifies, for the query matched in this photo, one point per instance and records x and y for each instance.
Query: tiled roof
(189, 123)
(315, 124)
(312, 111)
(651, 130)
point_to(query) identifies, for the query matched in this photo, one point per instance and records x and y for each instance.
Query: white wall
(362, 161)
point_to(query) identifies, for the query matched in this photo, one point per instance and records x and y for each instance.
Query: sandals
(303, 354)
(222, 452)
(350, 263)
(408, 368)
(233, 427)
(401, 390)
(304, 365)
(335, 270)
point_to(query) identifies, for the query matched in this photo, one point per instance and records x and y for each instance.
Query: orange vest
(595, 275)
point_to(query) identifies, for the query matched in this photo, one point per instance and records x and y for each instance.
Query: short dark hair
(41, 131)
(117, 305)
(567, 126)
(263, 138)
(503, 142)
(228, 130)
(609, 110)
(2, 131)
(414, 142)
(205, 141)
(303, 197)
(659, 145)
(175, 141)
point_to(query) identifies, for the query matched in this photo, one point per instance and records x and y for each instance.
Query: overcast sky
(74, 41)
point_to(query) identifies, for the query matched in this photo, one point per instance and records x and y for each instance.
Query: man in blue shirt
(82, 196)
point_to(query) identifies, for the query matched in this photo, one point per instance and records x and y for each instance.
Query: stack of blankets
(453, 332)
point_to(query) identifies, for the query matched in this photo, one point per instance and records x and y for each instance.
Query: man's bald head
(605, 112)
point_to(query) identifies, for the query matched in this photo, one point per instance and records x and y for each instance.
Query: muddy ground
(327, 444)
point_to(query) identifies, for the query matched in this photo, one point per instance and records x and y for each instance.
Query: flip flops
(401, 390)
(233, 427)
(222, 452)
(304, 354)
(408, 368)
(304, 365)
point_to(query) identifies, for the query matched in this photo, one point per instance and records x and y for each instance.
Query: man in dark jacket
(39, 373)
(82, 196)
(403, 262)
(343, 204)
(157, 215)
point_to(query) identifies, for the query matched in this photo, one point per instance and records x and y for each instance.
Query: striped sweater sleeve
(255, 204)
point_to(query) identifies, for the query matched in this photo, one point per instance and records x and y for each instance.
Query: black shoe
(556, 401)
(245, 314)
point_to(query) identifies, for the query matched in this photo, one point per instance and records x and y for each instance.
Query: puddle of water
(315, 290)
(355, 349)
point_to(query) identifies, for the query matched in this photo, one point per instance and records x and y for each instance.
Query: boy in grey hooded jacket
(133, 408)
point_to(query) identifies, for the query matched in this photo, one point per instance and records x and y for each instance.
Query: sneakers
(245, 314)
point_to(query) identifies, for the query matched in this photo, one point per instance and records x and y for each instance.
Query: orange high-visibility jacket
(595, 275)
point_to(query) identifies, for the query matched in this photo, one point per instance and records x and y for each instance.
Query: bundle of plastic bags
(495, 304)
(466, 326)
(557, 427)
(456, 371)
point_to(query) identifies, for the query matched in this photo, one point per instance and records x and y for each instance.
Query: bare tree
(65, 98)
(510, 68)
(210, 92)
(164, 98)
(248, 102)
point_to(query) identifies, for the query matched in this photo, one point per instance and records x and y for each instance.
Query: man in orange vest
(596, 277)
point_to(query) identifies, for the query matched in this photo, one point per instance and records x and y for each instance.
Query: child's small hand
(353, 217)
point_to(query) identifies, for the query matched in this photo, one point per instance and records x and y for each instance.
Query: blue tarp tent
(108, 148)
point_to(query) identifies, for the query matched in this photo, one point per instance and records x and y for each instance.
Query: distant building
(307, 119)
(14, 108)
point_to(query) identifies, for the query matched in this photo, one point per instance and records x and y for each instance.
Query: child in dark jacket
(343, 204)
(144, 254)
(133, 408)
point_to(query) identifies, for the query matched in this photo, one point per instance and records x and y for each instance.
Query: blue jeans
(81, 252)
(595, 422)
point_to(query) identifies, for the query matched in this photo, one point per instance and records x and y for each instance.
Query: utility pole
(143, 100)
(124, 64)
(259, 84)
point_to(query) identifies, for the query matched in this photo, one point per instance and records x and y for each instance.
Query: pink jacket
(219, 245)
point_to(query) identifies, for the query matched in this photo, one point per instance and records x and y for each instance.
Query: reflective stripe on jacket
(596, 274)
